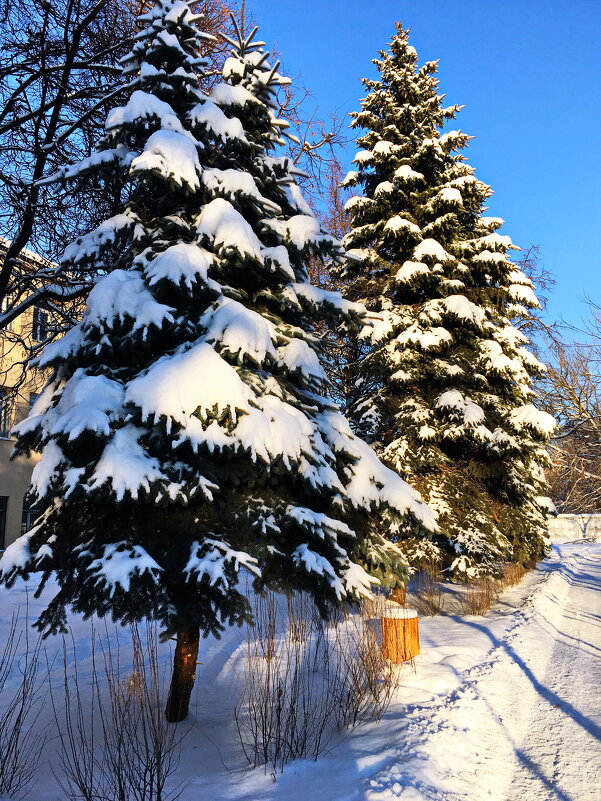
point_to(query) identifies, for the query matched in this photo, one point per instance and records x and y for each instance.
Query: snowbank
(454, 722)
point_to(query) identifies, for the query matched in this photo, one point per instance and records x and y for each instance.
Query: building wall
(15, 475)
(14, 482)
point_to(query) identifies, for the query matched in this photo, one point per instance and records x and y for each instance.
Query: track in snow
(560, 754)
(525, 723)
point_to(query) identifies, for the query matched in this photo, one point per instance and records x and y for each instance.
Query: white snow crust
(407, 173)
(299, 231)
(240, 331)
(119, 562)
(531, 417)
(197, 379)
(144, 106)
(235, 182)
(88, 245)
(450, 194)
(224, 94)
(125, 465)
(298, 355)
(410, 270)
(471, 413)
(398, 223)
(453, 731)
(463, 308)
(210, 559)
(430, 248)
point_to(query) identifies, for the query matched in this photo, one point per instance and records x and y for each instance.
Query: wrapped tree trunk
(400, 634)
(184, 674)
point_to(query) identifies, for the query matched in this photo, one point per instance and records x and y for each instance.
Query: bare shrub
(513, 573)
(77, 740)
(482, 593)
(429, 597)
(286, 707)
(21, 701)
(479, 596)
(370, 680)
(115, 743)
(302, 617)
(301, 687)
(266, 625)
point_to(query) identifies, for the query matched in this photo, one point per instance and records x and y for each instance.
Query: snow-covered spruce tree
(444, 390)
(185, 435)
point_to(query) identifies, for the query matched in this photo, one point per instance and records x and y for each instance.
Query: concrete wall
(573, 527)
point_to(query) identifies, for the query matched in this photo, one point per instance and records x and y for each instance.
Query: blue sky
(529, 76)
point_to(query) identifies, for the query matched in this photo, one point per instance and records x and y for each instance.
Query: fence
(574, 527)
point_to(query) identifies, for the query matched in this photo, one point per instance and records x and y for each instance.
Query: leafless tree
(573, 394)
(533, 322)
(570, 391)
(59, 77)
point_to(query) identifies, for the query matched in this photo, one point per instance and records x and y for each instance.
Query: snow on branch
(193, 380)
(228, 230)
(121, 561)
(211, 558)
(171, 155)
(123, 294)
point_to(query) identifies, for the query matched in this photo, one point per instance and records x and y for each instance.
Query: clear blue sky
(529, 75)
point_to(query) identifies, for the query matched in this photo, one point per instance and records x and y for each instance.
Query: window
(30, 514)
(5, 412)
(3, 508)
(6, 305)
(39, 332)
(33, 396)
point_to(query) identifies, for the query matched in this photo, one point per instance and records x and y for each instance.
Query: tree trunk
(399, 595)
(184, 674)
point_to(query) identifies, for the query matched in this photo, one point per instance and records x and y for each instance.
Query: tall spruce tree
(185, 435)
(444, 390)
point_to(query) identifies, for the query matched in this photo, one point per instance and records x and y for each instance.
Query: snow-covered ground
(498, 708)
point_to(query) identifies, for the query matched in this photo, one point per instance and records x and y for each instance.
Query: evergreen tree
(185, 435)
(445, 385)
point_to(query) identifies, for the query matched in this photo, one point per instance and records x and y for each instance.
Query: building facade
(19, 388)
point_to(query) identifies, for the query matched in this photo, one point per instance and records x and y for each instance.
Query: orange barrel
(400, 633)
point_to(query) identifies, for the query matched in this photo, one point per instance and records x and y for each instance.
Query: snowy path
(525, 723)
(566, 721)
